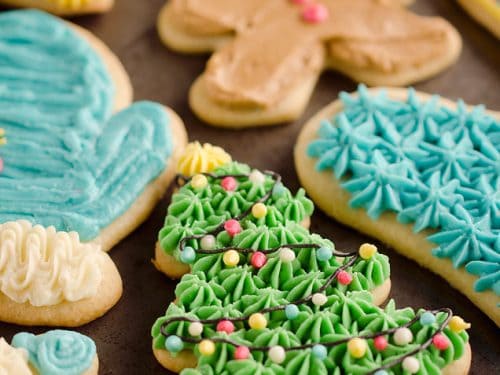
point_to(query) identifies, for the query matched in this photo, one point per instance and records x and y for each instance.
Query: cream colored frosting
(201, 159)
(12, 360)
(45, 267)
(274, 47)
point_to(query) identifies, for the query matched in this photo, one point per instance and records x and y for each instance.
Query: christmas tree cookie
(264, 295)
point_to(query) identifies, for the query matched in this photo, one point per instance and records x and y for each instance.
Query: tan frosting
(44, 267)
(12, 360)
(267, 59)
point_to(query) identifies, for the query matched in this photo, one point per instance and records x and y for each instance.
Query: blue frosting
(68, 162)
(57, 352)
(433, 166)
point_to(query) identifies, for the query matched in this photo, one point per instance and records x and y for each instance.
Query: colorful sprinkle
(357, 347)
(207, 242)
(229, 183)
(411, 364)
(427, 318)
(277, 354)
(232, 227)
(258, 259)
(324, 254)
(195, 329)
(241, 353)
(344, 277)
(291, 312)
(231, 258)
(319, 299)
(257, 321)
(402, 336)
(199, 181)
(257, 177)
(225, 326)
(440, 341)
(380, 343)
(315, 13)
(174, 344)
(259, 210)
(367, 250)
(320, 351)
(278, 190)
(188, 255)
(287, 255)
(457, 324)
(206, 347)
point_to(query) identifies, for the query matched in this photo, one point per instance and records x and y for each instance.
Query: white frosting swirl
(12, 360)
(44, 267)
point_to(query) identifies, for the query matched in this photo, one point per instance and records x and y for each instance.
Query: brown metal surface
(123, 335)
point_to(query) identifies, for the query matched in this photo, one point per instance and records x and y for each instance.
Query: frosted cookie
(418, 173)
(269, 54)
(55, 352)
(50, 278)
(64, 7)
(265, 295)
(68, 160)
(486, 12)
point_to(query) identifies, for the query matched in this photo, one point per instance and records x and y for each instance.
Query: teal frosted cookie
(68, 160)
(416, 172)
(265, 295)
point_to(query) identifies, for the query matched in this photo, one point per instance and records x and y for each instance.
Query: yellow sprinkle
(259, 210)
(457, 324)
(206, 347)
(357, 347)
(199, 181)
(367, 250)
(257, 321)
(231, 258)
(201, 159)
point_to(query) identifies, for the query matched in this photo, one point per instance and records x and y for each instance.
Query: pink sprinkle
(225, 326)
(258, 259)
(440, 341)
(380, 343)
(315, 13)
(241, 352)
(232, 227)
(300, 2)
(229, 183)
(344, 277)
(1, 165)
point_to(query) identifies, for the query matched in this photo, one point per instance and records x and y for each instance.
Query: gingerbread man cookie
(416, 172)
(269, 54)
(267, 296)
(64, 7)
(69, 162)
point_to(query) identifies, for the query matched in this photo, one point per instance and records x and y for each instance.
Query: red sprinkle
(241, 352)
(232, 227)
(440, 341)
(258, 259)
(1, 165)
(229, 183)
(300, 2)
(344, 277)
(315, 13)
(380, 343)
(225, 326)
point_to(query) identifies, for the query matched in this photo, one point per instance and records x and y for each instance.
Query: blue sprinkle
(427, 318)
(319, 351)
(188, 255)
(291, 312)
(323, 254)
(174, 344)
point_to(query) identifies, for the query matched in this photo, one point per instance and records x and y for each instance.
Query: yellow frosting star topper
(201, 159)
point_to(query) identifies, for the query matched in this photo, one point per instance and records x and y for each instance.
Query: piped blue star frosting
(434, 166)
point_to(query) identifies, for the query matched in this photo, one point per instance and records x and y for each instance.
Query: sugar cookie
(269, 54)
(64, 7)
(417, 173)
(486, 12)
(267, 296)
(68, 161)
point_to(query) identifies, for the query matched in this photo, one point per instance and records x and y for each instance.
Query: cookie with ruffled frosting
(57, 352)
(486, 12)
(417, 172)
(64, 7)
(51, 278)
(78, 155)
(269, 54)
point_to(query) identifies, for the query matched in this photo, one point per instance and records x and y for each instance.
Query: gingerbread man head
(269, 54)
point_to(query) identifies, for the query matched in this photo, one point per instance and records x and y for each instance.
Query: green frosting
(216, 291)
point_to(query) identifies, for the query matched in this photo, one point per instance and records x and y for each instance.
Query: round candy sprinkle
(323, 254)
(381, 372)
(206, 347)
(301, 2)
(344, 277)
(188, 255)
(258, 259)
(278, 190)
(207, 242)
(257, 321)
(195, 329)
(229, 183)
(1, 165)
(277, 354)
(225, 326)
(232, 227)
(427, 318)
(199, 181)
(367, 250)
(231, 258)
(411, 364)
(259, 210)
(286, 255)
(291, 312)
(257, 177)
(440, 341)
(357, 347)
(319, 299)
(315, 13)
(457, 324)
(403, 336)
(174, 344)
(241, 352)
(380, 343)
(319, 351)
